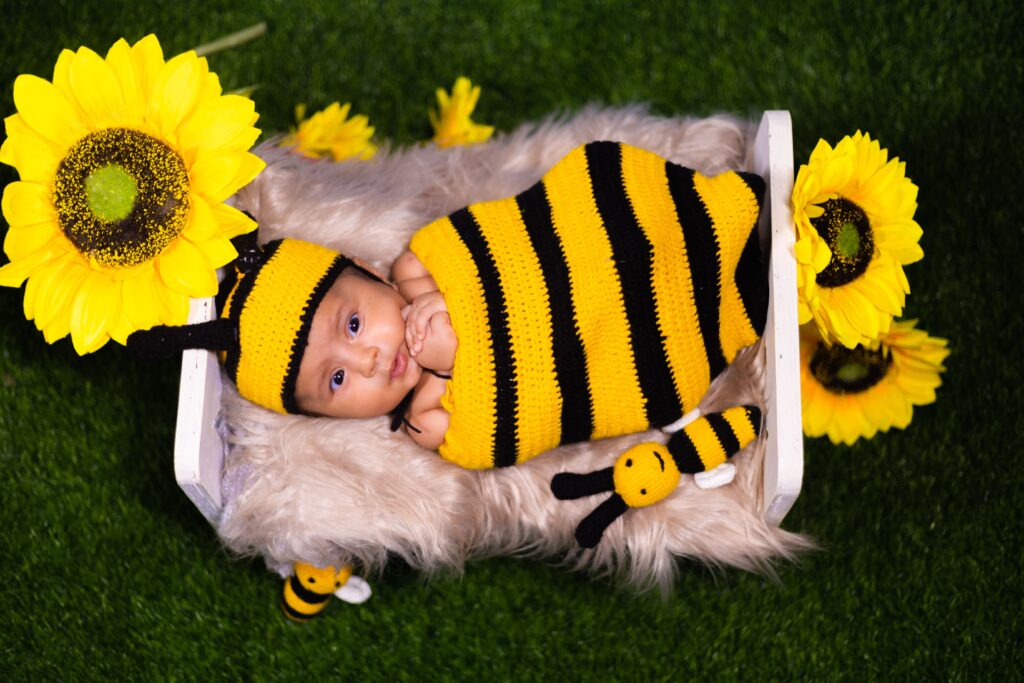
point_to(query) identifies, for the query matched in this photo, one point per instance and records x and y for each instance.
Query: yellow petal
(96, 89)
(120, 329)
(442, 98)
(140, 301)
(60, 73)
(62, 82)
(212, 174)
(183, 268)
(173, 305)
(27, 203)
(802, 250)
(822, 150)
(902, 412)
(876, 412)
(863, 316)
(839, 326)
(202, 223)
(46, 111)
(211, 89)
(34, 156)
(122, 64)
(232, 222)
(901, 277)
(803, 312)
(175, 92)
(901, 239)
(62, 296)
(244, 138)
(31, 293)
(836, 173)
(822, 255)
(149, 59)
(250, 166)
(54, 294)
(821, 417)
(15, 272)
(884, 298)
(96, 305)
(814, 211)
(59, 327)
(218, 251)
(24, 240)
(217, 122)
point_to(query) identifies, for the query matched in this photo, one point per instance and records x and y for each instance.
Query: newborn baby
(601, 301)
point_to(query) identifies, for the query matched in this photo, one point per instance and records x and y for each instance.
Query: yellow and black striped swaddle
(601, 301)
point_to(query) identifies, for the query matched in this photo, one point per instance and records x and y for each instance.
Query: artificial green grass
(111, 573)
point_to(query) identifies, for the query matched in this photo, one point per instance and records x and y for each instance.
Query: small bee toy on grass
(649, 471)
(308, 590)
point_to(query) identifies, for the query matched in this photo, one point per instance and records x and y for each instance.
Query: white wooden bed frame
(199, 449)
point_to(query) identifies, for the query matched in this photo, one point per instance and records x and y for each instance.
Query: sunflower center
(121, 196)
(846, 229)
(848, 241)
(849, 371)
(111, 192)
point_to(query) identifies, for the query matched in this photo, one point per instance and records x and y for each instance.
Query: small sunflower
(852, 393)
(124, 164)
(330, 133)
(452, 123)
(854, 212)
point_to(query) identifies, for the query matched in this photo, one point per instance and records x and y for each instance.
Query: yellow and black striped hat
(266, 308)
(272, 307)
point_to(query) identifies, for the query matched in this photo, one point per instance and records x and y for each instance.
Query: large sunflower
(850, 393)
(854, 212)
(125, 163)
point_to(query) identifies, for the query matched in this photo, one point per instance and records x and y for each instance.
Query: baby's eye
(337, 379)
(354, 324)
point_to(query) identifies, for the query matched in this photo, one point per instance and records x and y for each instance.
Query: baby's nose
(370, 359)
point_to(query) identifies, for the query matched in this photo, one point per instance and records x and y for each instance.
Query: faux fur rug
(327, 491)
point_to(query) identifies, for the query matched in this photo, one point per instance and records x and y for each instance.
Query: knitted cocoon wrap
(601, 301)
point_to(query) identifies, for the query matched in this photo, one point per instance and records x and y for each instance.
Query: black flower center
(121, 196)
(849, 371)
(846, 229)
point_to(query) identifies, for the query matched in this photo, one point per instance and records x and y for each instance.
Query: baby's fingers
(411, 338)
(416, 331)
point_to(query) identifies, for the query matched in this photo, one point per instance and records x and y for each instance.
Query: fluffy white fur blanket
(327, 491)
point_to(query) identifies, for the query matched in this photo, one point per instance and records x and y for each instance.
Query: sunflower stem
(232, 39)
(246, 90)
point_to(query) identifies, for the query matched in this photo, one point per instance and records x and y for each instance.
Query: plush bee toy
(308, 590)
(649, 471)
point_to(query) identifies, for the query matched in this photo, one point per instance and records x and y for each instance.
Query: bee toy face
(645, 474)
(322, 580)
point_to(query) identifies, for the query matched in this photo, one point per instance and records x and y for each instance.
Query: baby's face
(356, 363)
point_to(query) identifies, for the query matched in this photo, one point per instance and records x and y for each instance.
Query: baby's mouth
(399, 365)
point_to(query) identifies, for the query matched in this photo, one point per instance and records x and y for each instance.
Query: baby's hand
(417, 320)
(438, 352)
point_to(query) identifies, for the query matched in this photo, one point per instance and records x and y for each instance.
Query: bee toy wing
(356, 591)
(719, 476)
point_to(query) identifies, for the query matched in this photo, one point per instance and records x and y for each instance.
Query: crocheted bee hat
(266, 308)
